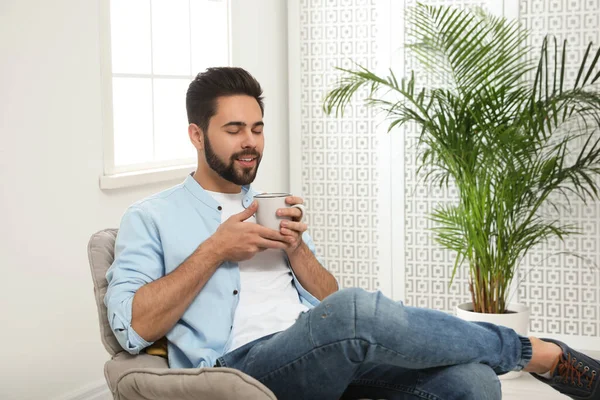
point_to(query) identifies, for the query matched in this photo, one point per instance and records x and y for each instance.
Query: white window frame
(113, 176)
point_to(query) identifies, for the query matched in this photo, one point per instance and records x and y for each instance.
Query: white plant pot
(517, 319)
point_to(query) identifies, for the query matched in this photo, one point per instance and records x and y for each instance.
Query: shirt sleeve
(138, 261)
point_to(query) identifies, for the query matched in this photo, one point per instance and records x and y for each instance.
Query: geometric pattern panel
(562, 290)
(339, 155)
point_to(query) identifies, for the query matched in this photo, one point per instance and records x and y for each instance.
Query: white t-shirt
(268, 301)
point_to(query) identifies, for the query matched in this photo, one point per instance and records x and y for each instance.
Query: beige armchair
(145, 376)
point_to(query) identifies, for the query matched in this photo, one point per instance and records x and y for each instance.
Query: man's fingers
(247, 213)
(294, 226)
(287, 232)
(268, 233)
(292, 212)
(271, 244)
(291, 200)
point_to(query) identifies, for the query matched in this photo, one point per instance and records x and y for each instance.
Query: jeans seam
(355, 317)
(426, 395)
(312, 341)
(380, 384)
(404, 389)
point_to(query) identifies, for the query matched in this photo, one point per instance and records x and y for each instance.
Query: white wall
(50, 161)
(259, 29)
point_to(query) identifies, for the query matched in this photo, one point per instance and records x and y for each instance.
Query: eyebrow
(242, 124)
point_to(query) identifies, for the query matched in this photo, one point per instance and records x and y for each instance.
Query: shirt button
(235, 292)
(219, 208)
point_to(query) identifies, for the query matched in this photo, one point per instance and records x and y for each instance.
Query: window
(151, 50)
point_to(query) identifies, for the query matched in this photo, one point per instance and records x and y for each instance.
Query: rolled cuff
(135, 340)
(128, 338)
(526, 353)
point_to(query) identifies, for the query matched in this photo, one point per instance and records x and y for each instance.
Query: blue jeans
(357, 344)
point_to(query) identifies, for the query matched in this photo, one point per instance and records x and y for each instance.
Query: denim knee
(354, 313)
(366, 314)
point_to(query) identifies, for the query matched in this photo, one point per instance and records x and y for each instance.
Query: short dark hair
(202, 94)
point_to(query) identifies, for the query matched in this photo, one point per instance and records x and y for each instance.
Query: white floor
(528, 388)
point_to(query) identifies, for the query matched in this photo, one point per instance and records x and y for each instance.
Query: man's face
(234, 142)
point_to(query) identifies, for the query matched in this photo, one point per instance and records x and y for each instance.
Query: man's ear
(196, 136)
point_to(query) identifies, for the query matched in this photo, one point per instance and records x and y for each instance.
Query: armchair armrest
(145, 377)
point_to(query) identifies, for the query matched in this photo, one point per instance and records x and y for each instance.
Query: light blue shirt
(156, 235)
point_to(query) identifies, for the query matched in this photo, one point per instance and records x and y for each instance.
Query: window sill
(145, 177)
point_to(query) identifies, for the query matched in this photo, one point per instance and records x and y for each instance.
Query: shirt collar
(198, 191)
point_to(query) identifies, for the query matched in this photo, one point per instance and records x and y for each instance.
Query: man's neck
(211, 181)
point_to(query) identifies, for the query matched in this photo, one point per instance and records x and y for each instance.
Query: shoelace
(569, 370)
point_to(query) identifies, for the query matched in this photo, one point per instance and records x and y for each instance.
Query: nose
(249, 139)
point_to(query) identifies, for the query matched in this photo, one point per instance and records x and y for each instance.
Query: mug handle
(302, 209)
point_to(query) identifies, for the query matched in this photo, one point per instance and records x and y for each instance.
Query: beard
(229, 172)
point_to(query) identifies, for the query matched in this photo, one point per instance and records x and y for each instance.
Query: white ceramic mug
(268, 204)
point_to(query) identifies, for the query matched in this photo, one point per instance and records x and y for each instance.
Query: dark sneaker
(575, 374)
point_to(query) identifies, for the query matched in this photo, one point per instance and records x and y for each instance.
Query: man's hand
(293, 229)
(236, 240)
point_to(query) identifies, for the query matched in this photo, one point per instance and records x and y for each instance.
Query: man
(190, 265)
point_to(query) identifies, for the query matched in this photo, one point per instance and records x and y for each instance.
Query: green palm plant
(504, 129)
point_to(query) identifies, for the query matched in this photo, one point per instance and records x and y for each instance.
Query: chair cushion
(101, 253)
(145, 377)
(122, 362)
